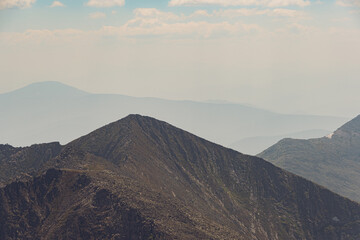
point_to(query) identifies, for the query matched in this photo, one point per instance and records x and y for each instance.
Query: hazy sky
(293, 56)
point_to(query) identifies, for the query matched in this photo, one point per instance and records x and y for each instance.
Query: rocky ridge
(140, 178)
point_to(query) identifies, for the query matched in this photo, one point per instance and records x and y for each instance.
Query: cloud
(147, 22)
(348, 3)
(240, 12)
(200, 13)
(278, 12)
(41, 36)
(227, 3)
(153, 22)
(190, 29)
(57, 4)
(186, 30)
(105, 3)
(281, 12)
(97, 15)
(156, 14)
(16, 3)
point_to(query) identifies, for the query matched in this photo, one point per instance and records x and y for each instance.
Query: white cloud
(348, 3)
(16, 3)
(201, 13)
(226, 3)
(191, 29)
(153, 22)
(278, 12)
(156, 14)
(105, 3)
(149, 22)
(97, 15)
(57, 4)
(240, 12)
(187, 30)
(281, 12)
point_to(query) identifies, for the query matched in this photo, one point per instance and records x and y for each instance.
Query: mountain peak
(144, 121)
(133, 131)
(47, 89)
(136, 118)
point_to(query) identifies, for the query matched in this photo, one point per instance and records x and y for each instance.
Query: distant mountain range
(141, 178)
(255, 145)
(51, 111)
(332, 161)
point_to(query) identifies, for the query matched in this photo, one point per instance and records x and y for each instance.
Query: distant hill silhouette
(332, 161)
(141, 178)
(51, 111)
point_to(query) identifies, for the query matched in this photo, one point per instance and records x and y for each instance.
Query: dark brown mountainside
(24, 162)
(140, 178)
(332, 161)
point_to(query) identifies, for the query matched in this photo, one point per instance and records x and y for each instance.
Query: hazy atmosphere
(289, 56)
(180, 119)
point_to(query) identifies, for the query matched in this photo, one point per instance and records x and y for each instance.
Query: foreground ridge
(141, 178)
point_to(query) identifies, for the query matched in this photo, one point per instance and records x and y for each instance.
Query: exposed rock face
(66, 205)
(332, 161)
(24, 162)
(140, 178)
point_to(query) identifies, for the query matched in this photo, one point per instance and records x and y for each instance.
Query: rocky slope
(332, 161)
(68, 205)
(140, 178)
(24, 162)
